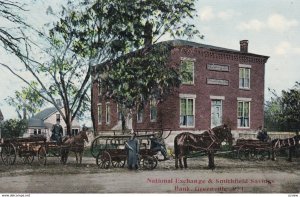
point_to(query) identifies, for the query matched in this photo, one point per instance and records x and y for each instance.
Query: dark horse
(208, 142)
(288, 143)
(76, 145)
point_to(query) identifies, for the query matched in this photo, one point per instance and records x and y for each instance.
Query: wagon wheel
(243, 154)
(8, 154)
(42, 155)
(252, 154)
(28, 159)
(103, 160)
(263, 155)
(149, 162)
(118, 162)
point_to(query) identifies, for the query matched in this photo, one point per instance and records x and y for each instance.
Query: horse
(288, 143)
(208, 142)
(76, 145)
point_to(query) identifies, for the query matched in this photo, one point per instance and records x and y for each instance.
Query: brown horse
(209, 142)
(288, 143)
(76, 145)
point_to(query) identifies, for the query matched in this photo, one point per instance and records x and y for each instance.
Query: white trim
(193, 96)
(244, 66)
(194, 112)
(188, 58)
(244, 99)
(106, 114)
(217, 97)
(239, 127)
(192, 60)
(99, 121)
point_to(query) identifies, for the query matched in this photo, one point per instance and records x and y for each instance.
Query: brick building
(222, 86)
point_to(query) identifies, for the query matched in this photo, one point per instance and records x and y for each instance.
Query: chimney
(244, 46)
(148, 34)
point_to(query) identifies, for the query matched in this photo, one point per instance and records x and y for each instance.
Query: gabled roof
(44, 114)
(34, 122)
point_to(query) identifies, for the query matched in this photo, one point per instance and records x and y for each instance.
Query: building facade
(219, 86)
(42, 123)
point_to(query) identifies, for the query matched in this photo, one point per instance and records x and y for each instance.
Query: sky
(272, 28)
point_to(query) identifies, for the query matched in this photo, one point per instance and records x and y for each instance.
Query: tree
(283, 111)
(92, 32)
(26, 101)
(13, 128)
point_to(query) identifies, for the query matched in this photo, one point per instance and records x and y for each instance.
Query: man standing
(57, 132)
(132, 146)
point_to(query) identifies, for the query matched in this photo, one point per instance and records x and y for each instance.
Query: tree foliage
(283, 112)
(13, 128)
(27, 99)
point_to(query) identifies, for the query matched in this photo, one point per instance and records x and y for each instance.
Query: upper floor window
(187, 70)
(99, 87)
(57, 117)
(139, 115)
(187, 112)
(153, 110)
(244, 76)
(243, 118)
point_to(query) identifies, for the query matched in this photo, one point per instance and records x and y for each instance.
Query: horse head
(223, 132)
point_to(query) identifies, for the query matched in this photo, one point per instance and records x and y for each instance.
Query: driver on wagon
(157, 144)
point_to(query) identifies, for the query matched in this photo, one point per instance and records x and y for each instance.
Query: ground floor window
(107, 113)
(99, 114)
(74, 132)
(243, 118)
(139, 115)
(153, 110)
(187, 112)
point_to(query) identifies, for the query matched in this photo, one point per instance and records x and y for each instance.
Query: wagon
(251, 149)
(25, 148)
(53, 149)
(109, 150)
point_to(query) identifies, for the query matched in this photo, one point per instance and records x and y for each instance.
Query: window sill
(243, 127)
(247, 89)
(188, 84)
(187, 127)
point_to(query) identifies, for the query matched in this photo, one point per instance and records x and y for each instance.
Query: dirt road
(231, 175)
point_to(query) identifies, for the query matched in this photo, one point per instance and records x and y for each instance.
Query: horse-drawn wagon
(252, 149)
(25, 148)
(110, 150)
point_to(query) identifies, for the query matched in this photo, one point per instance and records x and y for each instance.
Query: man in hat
(132, 146)
(157, 144)
(57, 132)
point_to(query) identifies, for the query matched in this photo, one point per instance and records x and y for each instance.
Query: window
(153, 110)
(39, 131)
(99, 114)
(119, 112)
(244, 78)
(187, 71)
(187, 112)
(107, 113)
(57, 117)
(74, 132)
(34, 131)
(243, 114)
(140, 115)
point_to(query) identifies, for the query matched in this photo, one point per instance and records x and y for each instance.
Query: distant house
(42, 123)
